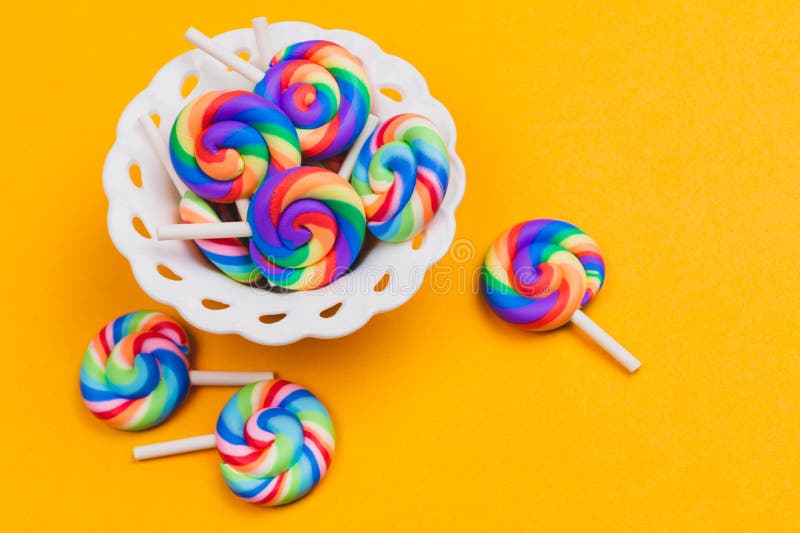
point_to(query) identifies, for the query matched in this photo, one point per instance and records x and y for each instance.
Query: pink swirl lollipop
(402, 174)
(135, 372)
(275, 440)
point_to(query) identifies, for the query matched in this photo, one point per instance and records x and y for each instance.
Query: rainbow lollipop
(135, 372)
(275, 439)
(401, 175)
(225, 143)
(537, 276)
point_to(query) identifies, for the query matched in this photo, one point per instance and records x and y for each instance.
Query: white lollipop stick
(175, 447)
(210, 230)
(263, 42)
(615, 349)
(227, 379)
(226, 57)
(242, 205)
(162, 152)
(346, 170)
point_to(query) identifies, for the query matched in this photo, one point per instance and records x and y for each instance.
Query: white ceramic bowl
(386, 275)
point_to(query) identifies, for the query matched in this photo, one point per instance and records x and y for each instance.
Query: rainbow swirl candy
(401, 175)
(276, 442)
(308, 227)
(135, 371)
(231, 256)
(324, 91)
(538, 273)
(224, 143)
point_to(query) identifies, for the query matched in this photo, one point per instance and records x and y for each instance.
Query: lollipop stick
(160, 148)
(174, 447)
(263, 41)
(346, 170)
(224, 379)
(242, 205)
(210, 230)
(226, 57)
(615, 349)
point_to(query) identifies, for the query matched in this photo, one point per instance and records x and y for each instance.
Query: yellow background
(669, 131)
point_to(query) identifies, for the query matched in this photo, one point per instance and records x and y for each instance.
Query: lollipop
(402, 174)
(229, 255)
(263, 41)
(135, 372)
(320, 86)
(275, 440)
(539, 273)
(307, 226)
(324, 90)
(224, 143)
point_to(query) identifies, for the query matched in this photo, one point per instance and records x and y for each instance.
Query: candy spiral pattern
(538, 273)
(276, 442)
(231, 256)
(308, 227)
(324, 91)
(135, 371)
(224, 143)
(401, 175)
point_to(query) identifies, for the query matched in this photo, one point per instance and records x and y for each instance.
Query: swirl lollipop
(224, 143)
(230, 256)
(324, 91)
(274, 437)
(401, 175)
(307, 226)
(135, 372)
(539, 273)
(320, 86)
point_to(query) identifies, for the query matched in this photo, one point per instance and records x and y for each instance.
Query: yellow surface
(669, 131)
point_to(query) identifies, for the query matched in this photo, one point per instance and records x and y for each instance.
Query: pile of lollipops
(280, 186)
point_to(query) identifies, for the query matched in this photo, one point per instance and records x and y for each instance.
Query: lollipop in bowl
(402, 173)
(223, 144)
